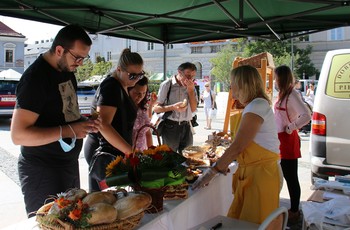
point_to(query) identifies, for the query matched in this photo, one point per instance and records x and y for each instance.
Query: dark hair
(129, 58)
(187, 65)
(68, 35)
(142, 82)
(285, 81)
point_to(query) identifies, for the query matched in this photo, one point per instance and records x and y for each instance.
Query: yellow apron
(255, 185)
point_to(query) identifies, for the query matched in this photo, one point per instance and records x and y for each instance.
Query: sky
(34, 31)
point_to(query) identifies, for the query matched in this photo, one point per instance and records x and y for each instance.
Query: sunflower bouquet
(155, 167)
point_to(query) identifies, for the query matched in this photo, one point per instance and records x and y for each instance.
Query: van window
(338, 83)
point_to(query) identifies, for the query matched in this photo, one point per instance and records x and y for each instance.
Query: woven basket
(157, 194)
(57, 224)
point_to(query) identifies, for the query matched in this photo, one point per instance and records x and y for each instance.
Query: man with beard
(46, 121)
(177, 132)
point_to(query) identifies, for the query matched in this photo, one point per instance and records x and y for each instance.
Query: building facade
(11, 49)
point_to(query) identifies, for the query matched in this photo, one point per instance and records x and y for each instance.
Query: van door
(333, 101)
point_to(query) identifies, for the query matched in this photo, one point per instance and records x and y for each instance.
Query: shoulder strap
(167, 96)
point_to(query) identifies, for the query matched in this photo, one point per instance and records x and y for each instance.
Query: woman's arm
(108, 132)
(301, 114)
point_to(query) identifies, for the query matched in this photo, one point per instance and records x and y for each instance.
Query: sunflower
(111, 166)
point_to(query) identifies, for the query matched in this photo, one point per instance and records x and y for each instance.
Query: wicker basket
(57, 224)
(157, 194)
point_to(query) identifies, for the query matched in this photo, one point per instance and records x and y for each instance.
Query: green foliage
(153, 86)
(280, 50)
(84, 72)
(101, 68)
(304, 65)
(222, 65)
(89, 69)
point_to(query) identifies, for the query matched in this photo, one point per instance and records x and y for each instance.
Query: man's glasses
(207, 86)
(79, 59)
(138, 76)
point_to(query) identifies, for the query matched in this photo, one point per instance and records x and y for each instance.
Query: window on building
(170, 46)
(215, 49)
(150, 46)
(337, 34)
(109, 55)
(128, 43)
(9, 57)
(196, 50)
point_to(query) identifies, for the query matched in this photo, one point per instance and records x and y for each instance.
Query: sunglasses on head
(138, 76)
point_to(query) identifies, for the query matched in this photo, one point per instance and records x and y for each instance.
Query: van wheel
(319, 176)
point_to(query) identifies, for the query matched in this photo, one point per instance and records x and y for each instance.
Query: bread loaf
(102, 213)
(132, 204)
(99, 197)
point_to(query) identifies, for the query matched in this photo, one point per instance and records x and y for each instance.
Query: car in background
(330, 128)
(85, 93)
(7, 96)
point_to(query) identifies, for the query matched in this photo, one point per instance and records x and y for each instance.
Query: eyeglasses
(138, 76)
(79, 59)
(207, 86)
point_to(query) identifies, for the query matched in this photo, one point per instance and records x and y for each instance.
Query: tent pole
(164, 61)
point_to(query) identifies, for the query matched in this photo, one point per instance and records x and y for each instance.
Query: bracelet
(75, 136)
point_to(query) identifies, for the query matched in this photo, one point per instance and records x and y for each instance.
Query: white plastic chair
(276, 220)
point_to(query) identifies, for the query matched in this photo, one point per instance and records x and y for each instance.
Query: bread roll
(99, 197)
(132, 204)
(102, 213)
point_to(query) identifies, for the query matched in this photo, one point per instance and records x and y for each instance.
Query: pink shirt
(141, 119)
(298, 113)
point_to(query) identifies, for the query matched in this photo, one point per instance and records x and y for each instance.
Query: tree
(222, 65)
(101, 68)
(280, 50)
(304, 67)
(84, 71)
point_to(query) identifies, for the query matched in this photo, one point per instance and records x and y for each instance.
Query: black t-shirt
(52, 95)
(111, 93)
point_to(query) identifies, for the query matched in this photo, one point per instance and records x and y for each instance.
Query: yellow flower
(149, 151)
(163, 148)
(112, 165)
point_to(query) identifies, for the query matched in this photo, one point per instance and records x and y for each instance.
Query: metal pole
(292, 50)
(164, 61)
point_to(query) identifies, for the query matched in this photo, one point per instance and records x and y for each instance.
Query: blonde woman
(117, 111)
(255, 147)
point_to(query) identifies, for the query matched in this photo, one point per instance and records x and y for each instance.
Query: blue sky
(34, 31)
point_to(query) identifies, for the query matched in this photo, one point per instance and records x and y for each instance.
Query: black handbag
(99, 161)
(159, 126)
(194, 122)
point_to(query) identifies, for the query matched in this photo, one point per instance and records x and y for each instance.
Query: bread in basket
(94, 211)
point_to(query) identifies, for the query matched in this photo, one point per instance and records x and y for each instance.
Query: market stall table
(200, 206)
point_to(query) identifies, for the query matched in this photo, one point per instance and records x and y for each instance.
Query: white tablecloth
(200, 206)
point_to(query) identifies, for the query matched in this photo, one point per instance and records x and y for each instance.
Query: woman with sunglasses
(117, 113)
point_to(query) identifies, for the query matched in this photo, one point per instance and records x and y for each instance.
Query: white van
(330, 128)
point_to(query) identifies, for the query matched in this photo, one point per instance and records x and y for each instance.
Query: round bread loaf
(193, 152)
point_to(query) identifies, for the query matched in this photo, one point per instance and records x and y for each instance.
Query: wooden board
(265, 70)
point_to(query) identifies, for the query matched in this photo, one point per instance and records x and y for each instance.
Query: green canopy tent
(180, 21)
